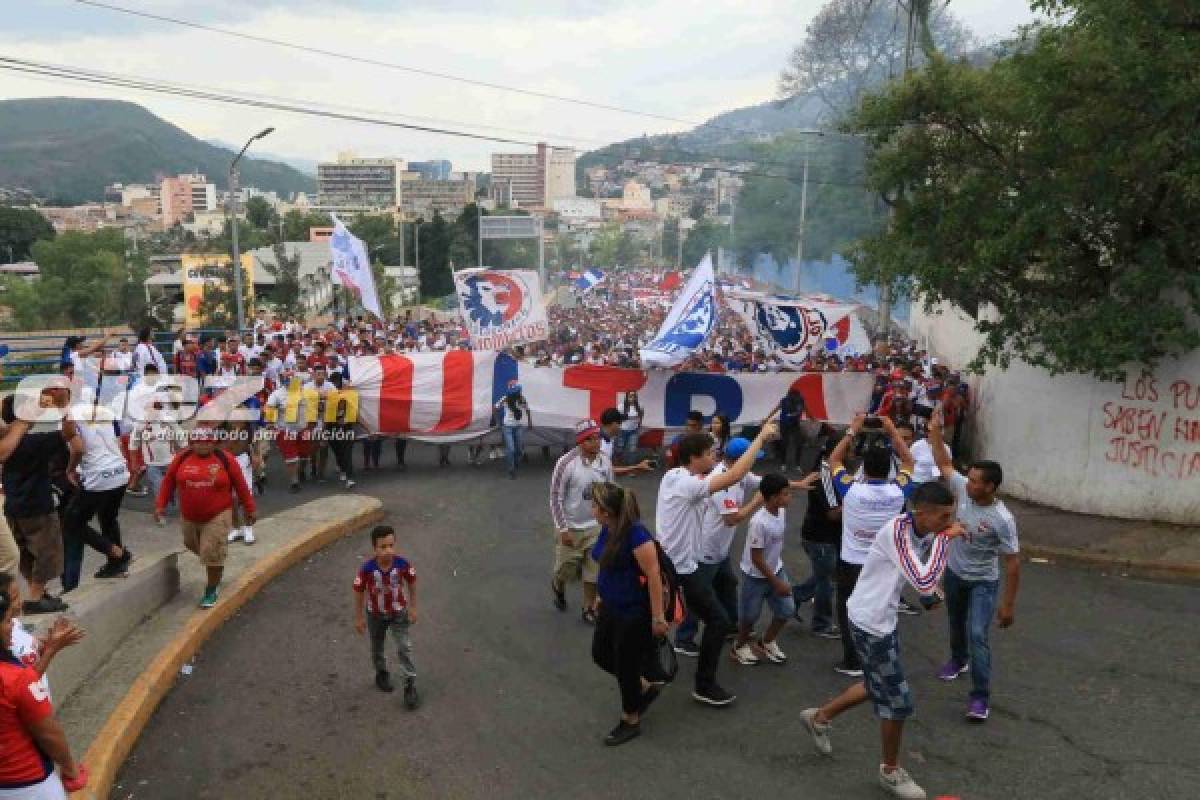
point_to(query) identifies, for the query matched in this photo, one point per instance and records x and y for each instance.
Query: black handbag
(665, 664)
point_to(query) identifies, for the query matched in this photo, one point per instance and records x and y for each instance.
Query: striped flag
(430, 393)
(589, 279)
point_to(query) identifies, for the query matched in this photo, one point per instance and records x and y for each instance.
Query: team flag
(589, 279)
(352, 268)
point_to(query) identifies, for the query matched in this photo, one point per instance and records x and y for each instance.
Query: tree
(1052, 195)
(259, 212)
(297, 223)
(707, 235)
(670, 239)
(75, 284)
(19, 229)
(285, 295)
(435, 274)
(854, 46)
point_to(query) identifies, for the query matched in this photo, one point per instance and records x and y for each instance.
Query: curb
(114, 741)
(1174, 571)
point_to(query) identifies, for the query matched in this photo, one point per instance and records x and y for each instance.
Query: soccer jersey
(23, 702)
(715, 536)
(991, 531)
(891, 562)
(384, 589)
(571, 489)
(866, 506)
(766, 534)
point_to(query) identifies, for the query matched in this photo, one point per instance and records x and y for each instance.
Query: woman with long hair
(721, 433)
(631, 604)
(514, 410)
(632, 411)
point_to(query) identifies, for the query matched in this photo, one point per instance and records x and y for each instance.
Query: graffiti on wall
(1153, 427)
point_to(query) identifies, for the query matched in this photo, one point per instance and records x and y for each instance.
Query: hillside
(726, 135)
(68, 149)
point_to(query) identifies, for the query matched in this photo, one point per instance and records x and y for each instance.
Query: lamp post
(237, 255)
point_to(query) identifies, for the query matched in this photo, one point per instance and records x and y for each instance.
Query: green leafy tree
(670, 240)
(19, 229)
(259, 212)
(435, 273)
(74, 288)
(1053, 194)
(297, 223)
(285, 294)
(705, 236)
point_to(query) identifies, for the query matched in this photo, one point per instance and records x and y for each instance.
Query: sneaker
(235, 535)
(560, 597)
(248, 535)
(621, 734)
(713, 696)
(137, 492)
(411, 698)
(745, 655)
(113, 569)
(772, 652)
(832, 632)
(848, 670)
(48, 604)
(348, 484)
(906, 607)
(951, 670)
(977, 709)
(899, 784)
(210, 597)
(686, 647)
(819, 731)
(383, 681)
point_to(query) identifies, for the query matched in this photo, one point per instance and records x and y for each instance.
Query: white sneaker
(248, 535)
(899, 784)
(745, 655)
(348, 484)
(235, 534)
(772, 652)
(819, 731)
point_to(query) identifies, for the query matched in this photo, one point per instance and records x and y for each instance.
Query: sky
(675, 58)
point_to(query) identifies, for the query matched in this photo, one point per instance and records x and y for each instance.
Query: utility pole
(237, 255)
(803, 211)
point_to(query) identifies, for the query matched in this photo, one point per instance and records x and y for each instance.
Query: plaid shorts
(882, 674)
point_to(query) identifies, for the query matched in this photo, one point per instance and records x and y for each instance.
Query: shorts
(39, 540)
(575, 560)
(293, 445)
(753, 592)
(50, 788)
(209, 540)
(883, 676)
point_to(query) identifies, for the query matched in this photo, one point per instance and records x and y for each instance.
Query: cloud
(683, 60)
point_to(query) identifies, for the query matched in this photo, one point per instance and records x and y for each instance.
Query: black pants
(704, 604)
(846, 577)
(623, 646)
(105, 506)
(372, 449)
(401, 451)
(342, 452)
(789, 447)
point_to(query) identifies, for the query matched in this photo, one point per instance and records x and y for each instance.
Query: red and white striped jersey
(384, 589)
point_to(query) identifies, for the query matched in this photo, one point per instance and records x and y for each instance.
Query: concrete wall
(1129, 449)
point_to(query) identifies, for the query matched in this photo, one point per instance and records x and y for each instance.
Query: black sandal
(589, 616)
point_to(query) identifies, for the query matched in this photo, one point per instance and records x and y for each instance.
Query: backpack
(222, 456)
(674, 608)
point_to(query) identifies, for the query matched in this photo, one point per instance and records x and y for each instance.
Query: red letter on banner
(603, 384)
(812, 388)
(458, 377)
(395, 394)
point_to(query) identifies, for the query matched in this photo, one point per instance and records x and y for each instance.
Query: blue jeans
(969, 607)
(627, 443)
(512, 446)
(724, 585)
(756, 591)
(819, 586)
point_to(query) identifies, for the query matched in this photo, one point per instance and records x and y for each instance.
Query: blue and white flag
(352, 268)
(589, 279)
(688, 324)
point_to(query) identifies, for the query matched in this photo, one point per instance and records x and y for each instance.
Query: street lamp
(237, 256)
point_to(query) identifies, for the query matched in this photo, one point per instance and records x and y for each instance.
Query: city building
(421, 196)
(438, 170)
(636, 197)
(183, 194)
(537, 179)
(353, 184)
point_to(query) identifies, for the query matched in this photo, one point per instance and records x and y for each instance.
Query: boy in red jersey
(386, 586)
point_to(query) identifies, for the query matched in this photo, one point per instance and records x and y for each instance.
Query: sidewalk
(1126, 547)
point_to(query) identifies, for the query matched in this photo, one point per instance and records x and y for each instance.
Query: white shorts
(49, 789)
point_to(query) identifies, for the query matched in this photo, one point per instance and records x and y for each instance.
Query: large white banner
(443, 394)
(689, 322)
(790, 329)
(352, 267)
(501, 308)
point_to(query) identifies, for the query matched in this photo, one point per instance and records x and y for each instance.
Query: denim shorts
(882, 674)
(755, 591)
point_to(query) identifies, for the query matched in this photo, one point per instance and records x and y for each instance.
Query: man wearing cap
(206, 478)
(575, 529)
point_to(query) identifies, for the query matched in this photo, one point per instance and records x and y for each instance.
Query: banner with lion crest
(501, 308)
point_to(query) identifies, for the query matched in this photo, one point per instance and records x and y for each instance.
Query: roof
(315, 261)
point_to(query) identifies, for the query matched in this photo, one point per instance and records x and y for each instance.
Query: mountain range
(66, 150)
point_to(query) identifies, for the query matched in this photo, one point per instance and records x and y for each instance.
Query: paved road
(1096, 686)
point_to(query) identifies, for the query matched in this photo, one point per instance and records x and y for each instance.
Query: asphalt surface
(1095, 687)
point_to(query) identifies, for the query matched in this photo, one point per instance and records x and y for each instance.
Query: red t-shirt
(23, 702)
(205, 485)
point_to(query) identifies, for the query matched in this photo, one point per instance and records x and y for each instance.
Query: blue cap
(737, 447)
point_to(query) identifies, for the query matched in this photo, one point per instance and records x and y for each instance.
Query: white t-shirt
(102, 467)
(925, 469)
(632, 421)
(678, 517)
(571, 489)
(606, 447)
(278, 400)
(158, 441)
(144, 355)
(121, 362)
(866, 505)
(715, 536)
(892, 561)
(322, 391)
(766, 534)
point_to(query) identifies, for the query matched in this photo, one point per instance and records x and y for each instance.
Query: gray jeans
(377, 627)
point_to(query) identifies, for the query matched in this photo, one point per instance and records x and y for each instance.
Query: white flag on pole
(352, 267)
(689, 322)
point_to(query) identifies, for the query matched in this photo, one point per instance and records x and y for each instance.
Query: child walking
(766, 580)
(385, 599)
